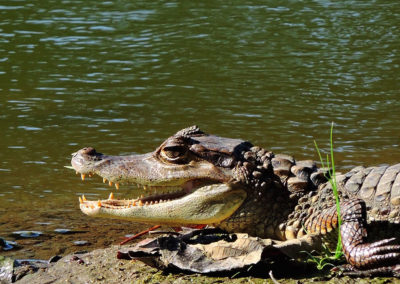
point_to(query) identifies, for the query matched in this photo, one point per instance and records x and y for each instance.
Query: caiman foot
(381, 257)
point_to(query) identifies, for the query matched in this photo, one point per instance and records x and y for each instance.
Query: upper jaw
(145, 170)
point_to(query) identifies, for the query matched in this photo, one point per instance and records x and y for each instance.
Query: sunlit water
(123, 75)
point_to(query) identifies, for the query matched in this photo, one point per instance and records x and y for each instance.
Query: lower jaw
(210, 204)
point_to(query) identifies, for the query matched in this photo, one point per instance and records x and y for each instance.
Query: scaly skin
(231, 184)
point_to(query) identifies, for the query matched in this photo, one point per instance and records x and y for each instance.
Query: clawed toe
(383, 242)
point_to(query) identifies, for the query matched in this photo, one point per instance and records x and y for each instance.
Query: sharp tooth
(141, 196)
(99, 203)
(151, 202)
(144, 187)
(111, 197)
(110, 183)
(133, 203)
(140, 203)
(147, 203)
(84, 198)
(104, 180)
(90, 175)
(117, 186)
(156, 202)
(83, 176)
(80, 200)
(77, 173)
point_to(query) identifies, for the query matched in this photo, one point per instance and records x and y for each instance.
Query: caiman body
(196, 178)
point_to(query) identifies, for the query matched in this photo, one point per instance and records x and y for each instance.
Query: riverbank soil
(102, 266)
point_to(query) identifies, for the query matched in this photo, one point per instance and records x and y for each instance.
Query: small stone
(7, 245)
(81, 243)
(27, 234)
(6, 269)
(63, 231)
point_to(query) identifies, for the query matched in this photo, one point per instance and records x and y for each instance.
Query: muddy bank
(102, 266)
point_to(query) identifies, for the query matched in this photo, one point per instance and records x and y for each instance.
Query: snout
(83, 160)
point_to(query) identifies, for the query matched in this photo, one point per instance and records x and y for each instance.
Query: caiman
(197, 178)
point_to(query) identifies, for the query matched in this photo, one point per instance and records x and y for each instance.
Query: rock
(7, 245)
(27, 234)
(6, 269)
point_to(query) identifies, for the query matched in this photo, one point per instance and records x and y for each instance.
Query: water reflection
(124, 76)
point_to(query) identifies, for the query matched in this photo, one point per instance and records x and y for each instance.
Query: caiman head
(192, 178)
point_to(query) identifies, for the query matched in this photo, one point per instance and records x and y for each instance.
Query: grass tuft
(331, 176)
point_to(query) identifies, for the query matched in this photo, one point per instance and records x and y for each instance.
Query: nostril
(89, 151)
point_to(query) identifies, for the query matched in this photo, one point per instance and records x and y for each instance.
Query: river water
(121, 76)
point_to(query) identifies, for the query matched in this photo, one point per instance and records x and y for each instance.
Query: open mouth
(151, 195)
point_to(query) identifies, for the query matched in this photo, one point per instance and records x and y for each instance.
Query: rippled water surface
(123, 75)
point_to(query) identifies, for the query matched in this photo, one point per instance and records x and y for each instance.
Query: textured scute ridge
(189, 131)
(277, 184)
(379, 187)
(295, 194)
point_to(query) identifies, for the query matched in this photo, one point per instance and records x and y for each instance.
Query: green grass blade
(333, 182)
(319, 154)
(331, 176)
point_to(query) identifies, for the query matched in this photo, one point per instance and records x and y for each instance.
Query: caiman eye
(174, 154)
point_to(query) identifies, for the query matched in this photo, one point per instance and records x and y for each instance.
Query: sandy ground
(102, 266)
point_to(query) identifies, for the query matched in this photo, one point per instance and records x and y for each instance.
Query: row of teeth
(130, 203)
(145, 187)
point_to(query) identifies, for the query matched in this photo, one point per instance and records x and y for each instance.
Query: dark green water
(123, 75)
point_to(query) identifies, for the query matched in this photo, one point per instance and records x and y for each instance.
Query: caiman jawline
(161, 194)
(204, 203)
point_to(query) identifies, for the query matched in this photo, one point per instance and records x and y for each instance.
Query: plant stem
(330, 164)
(332, 180)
